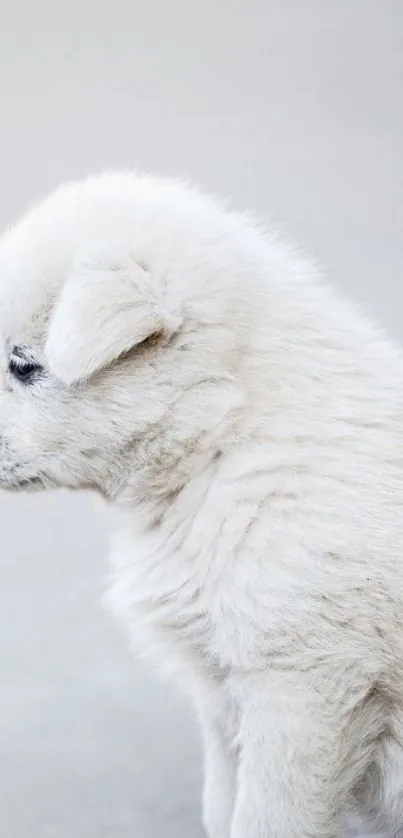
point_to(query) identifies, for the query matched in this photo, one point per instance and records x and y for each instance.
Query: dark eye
(24, 371)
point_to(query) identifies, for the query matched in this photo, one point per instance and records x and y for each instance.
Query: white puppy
(247, 425)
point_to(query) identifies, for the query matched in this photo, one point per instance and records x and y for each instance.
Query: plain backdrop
(292, 108)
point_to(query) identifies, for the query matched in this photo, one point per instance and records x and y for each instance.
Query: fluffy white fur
(247, 426)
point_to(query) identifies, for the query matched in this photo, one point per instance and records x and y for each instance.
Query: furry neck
(182, 450)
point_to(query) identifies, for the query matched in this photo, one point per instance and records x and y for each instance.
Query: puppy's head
(94, 357)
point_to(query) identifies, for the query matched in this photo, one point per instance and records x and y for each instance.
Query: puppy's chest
(161, 593)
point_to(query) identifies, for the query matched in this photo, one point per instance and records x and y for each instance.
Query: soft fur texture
(247, 426)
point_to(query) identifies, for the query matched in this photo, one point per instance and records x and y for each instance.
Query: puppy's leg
(293, 780)
(220, 767)
(218, 719)
(380, 794)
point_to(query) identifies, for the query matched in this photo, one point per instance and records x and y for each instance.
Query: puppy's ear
(108, 306)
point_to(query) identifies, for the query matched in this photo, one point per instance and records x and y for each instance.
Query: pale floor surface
(90, 744)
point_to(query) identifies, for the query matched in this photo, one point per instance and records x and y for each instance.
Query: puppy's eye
(24, 371)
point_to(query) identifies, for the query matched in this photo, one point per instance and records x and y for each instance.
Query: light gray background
(293, 108)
